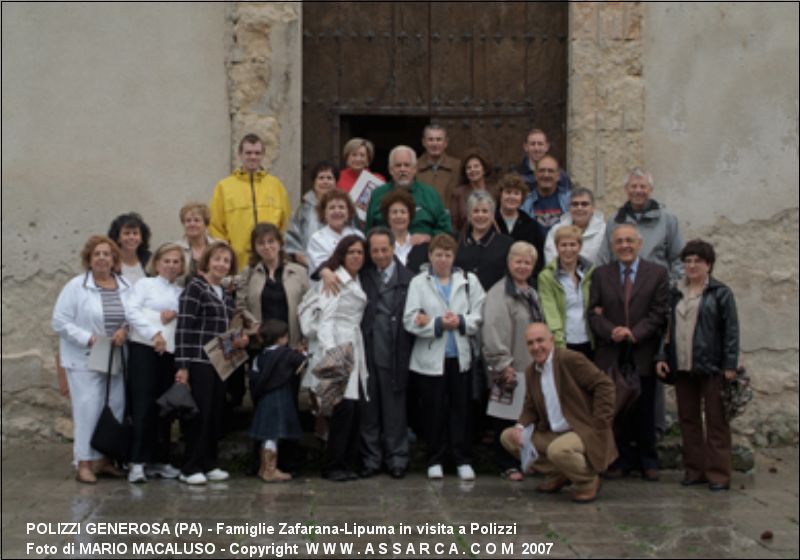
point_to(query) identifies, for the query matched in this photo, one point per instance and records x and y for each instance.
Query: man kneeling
(571, 406)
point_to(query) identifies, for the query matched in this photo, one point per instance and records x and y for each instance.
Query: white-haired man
(430, 217)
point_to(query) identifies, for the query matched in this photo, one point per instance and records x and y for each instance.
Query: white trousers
(87, 389)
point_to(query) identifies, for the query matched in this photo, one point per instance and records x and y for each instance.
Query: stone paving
(631, 518)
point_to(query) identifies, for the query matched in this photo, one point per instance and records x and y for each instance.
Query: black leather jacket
(715, 344)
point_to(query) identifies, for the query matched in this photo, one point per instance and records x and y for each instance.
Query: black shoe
(340, 476)
(716, 486)
(368, 472)
(615, 473)
(397, 473)
(693, 481)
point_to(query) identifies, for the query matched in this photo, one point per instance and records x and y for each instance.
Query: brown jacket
(586, 395)
(648, 313)
(445, 179)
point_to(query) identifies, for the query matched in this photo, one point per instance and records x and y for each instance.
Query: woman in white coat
(336, 211)
(338, 322)
(443, 310)
(92, 305)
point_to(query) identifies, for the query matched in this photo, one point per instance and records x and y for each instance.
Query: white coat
(151, 294)
(427, 357)
(322, 244)
(593, 238)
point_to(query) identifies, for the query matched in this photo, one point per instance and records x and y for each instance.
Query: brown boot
(85, 473)
(269, 472)
(589, 494)
(106, 467)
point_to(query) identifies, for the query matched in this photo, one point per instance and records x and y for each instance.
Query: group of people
(454, 305)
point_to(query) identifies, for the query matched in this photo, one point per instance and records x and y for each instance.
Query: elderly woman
(703, 353)
(336, 211)
(195, 217)
(443, 309)
(91, 306)
(564, 288)
(482, 250)
(205, 312)
(475, 169)
(305, 222)
(398, 208)
(582, 214)
(153, 306)
(511, 191)
(358, 153)
(337, 323)
(511, 305)
(132, 236)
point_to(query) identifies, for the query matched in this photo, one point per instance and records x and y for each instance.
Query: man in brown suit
(571, 406)
(435, 167)
(628, 311)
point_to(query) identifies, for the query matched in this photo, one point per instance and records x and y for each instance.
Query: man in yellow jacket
(246, 197)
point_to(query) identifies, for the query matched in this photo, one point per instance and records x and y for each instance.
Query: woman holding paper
(91, 307)
(152, 314)
(511, 305)
(357, 155)
(205, 312)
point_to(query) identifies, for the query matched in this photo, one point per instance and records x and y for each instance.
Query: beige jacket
(446, 177)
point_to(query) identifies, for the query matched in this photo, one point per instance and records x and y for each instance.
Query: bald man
(571, 406)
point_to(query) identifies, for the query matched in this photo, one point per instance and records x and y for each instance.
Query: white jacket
(593, 237)
(151, 294)
(78, 315)
(323, 243)
(427, 357)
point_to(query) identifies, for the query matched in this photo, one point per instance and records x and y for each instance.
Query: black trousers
(341, 452)
(502, 458)
(635, 431)
(149, 375)
(446, 406)
(584, 348)
(204, 430)
(384, 431)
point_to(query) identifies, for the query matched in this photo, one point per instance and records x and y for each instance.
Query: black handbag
(111, 437)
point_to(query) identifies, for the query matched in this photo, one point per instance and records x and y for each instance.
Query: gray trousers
(384, 430)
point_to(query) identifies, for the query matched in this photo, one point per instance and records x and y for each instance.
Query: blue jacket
(563, 188)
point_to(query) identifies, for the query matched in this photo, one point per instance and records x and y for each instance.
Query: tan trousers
(559, 454)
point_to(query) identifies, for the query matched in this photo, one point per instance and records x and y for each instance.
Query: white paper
(153, 318)
(528, 453)
(98, 356)
(509, 411)
(362, 191)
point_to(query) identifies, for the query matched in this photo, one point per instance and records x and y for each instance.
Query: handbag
(112, 437)
(736, 393)
(333, 371)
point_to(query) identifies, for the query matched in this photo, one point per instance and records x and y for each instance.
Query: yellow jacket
(233, 216)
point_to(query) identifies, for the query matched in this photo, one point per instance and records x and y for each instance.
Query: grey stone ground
(631, 519)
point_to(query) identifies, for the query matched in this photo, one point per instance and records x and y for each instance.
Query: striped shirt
(113, 311)
(202, 315)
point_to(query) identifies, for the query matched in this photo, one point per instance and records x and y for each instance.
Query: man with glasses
(582, 213)
(548, 200)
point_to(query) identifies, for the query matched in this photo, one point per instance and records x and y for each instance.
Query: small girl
(271, 390)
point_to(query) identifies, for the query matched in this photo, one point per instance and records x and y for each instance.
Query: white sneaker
(435, 472)
(465, 472)
(196, 478)
(136, 473)
(164, 470)
(217, 475)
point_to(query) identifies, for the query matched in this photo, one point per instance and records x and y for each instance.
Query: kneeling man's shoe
(554, 485)
(588, 495)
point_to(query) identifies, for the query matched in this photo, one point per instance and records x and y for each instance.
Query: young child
(275, 415)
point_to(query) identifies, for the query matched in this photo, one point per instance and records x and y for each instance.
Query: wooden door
(486, 71)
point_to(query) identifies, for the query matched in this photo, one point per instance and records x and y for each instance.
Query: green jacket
(553, 300)
(431, 216)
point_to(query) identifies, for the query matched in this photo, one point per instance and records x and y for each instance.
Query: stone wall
(106, 108)
(706, 97)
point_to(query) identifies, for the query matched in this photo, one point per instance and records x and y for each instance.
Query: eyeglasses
(580, 204)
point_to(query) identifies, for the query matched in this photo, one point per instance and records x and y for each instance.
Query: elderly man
(384, 429)
(246, 197)
(661, 235)
(536, 147)
(430, 217)
(628, 311)
(571, 406)
(582, 214)
(548, 199)
(435, 167)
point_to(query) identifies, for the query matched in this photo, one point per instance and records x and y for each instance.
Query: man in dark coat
(570, 404)
(628, 308)
(384, 427)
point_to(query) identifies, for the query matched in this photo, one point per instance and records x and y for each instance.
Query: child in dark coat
(275, 415)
